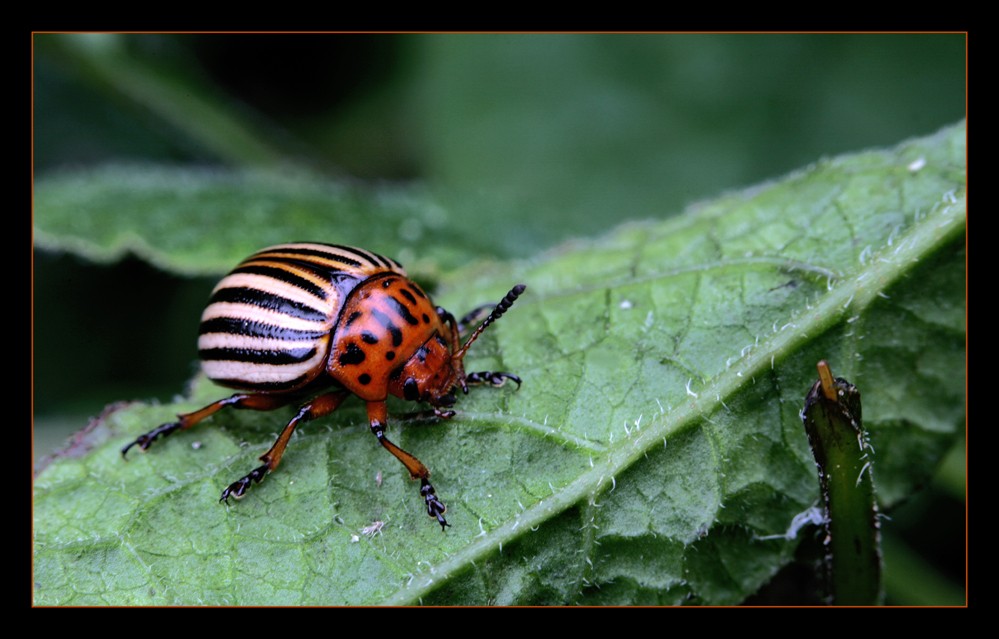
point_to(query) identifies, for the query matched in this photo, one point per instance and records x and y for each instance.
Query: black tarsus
(144, 441)
(238, 488)
(492, 378)
(435, 507)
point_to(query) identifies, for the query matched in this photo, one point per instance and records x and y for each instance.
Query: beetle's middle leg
(319, 406)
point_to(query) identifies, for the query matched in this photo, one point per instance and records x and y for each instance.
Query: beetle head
(436, 369)
(430, 375)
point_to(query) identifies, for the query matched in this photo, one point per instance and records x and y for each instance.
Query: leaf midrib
(851, 294)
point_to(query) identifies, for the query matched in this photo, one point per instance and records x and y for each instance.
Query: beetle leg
(377, 416)
(448, 319)
(435, 507)
(252, 401)
(319, 406)
(474, 316)
(445, 315)
(493, 379)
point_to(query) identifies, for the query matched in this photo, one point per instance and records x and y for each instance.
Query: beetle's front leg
(377, 417)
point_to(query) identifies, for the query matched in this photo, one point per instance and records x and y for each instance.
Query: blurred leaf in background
(440, 150)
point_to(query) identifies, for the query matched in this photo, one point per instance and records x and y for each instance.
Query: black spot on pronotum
(390, 355)
(416, 290)
(407, 295)
(353, 317)
(364, 379)
(426, 318)
(403, 312)
(369, 338)
(353, 355)
(389, 325)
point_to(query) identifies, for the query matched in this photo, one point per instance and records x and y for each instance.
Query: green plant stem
(844, 457)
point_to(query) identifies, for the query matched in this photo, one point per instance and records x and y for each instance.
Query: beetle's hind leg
(318, 407)
(377, 415)
(251, 401)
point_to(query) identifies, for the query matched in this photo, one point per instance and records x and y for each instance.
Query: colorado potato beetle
(324, 321)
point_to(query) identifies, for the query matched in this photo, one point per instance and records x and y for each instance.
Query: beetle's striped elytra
(324, 321)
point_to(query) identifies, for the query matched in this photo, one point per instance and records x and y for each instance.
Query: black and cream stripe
(267, 326)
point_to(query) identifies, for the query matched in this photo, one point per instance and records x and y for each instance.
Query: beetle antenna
(497, 313)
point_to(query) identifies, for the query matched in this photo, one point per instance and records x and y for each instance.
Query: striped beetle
(327, 321)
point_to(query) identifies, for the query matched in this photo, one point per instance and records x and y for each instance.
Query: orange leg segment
(318, 407)
(377, 417)
(251, 401)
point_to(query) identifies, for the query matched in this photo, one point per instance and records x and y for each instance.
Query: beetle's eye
(411, 390)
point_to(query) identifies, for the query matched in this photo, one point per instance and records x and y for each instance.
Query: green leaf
(654, 454)
(204, 221)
